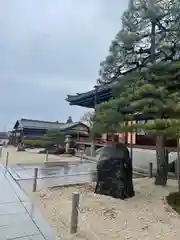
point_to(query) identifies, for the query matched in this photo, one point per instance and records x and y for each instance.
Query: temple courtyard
(145, 216)
(30, 156)
(141, 158)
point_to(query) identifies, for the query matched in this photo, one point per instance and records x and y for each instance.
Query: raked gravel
(146, 216)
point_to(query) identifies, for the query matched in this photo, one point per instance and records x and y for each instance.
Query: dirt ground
(147, 216)
(29, 157)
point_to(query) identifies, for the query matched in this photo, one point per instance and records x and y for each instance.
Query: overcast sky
(51, 48)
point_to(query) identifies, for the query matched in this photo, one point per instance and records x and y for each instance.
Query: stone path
(19, 218)
(51, 176)
(26, 171)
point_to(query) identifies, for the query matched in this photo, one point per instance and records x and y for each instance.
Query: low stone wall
(142, 158)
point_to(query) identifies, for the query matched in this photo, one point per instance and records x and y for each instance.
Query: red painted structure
(104, 93)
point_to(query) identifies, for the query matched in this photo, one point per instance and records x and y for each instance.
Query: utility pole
(151, 5)
(131, 3)
(161, 153)
(178, 162)
(93, 135)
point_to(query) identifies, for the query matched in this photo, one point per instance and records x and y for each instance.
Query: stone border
(31, 209)
(62, 163)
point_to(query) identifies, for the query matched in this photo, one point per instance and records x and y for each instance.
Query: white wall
(142, 157)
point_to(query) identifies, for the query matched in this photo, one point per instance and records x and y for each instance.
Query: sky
(51, 48)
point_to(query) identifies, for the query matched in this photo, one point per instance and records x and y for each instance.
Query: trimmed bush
(37, 143)
(174, 201)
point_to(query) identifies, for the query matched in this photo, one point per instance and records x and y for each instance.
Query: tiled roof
(37, 124)
(99, 89)
(29, 123)
(70, 125)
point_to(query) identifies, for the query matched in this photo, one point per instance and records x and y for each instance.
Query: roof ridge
(35, 120)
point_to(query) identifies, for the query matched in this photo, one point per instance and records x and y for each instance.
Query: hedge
(37, 143)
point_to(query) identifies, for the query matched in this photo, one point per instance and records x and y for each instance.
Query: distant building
(35, 129)
(3, 135)
(3, 138)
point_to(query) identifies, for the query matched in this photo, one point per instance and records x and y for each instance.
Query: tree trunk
(162, 162)
(178, 163)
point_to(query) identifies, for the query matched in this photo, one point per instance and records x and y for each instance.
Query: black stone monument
(114, 172)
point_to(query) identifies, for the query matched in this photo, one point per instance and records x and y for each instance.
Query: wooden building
(104, 93)
(35, 129)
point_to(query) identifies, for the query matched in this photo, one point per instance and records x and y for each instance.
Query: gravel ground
(30, 157)
(144, 217)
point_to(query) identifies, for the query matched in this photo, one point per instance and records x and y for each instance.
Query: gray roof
(98, 89)
(70, 125)
(37, 124)
(29, 123)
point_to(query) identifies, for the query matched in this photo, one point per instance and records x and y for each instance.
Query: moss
(173, 200)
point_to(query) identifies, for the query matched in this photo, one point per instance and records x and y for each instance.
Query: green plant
(54, 136)
(37, 143)
(173, 200)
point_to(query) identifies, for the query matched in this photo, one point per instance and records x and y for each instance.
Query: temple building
(89, 100)
(104, 93)
(35, 129)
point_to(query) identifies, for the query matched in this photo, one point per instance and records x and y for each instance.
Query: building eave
(90, 98)
(65, 128)
(90, 93)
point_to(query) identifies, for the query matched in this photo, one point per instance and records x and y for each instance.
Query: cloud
(50, 49)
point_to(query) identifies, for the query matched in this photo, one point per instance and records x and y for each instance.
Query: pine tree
(69, 120)
(152, 94)
(150, 32)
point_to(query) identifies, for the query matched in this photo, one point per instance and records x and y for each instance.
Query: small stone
(42, 194)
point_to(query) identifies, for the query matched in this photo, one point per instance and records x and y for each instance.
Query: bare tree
(87, 118)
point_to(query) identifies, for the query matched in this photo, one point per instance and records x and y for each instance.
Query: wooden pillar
(21, 136)
(15, 138)
(104, 137)
(131, 138)
(125, 134)
(121, 137)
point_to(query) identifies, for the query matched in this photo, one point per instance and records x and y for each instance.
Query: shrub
(173, 200)
(37, 143)
(54, 136)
